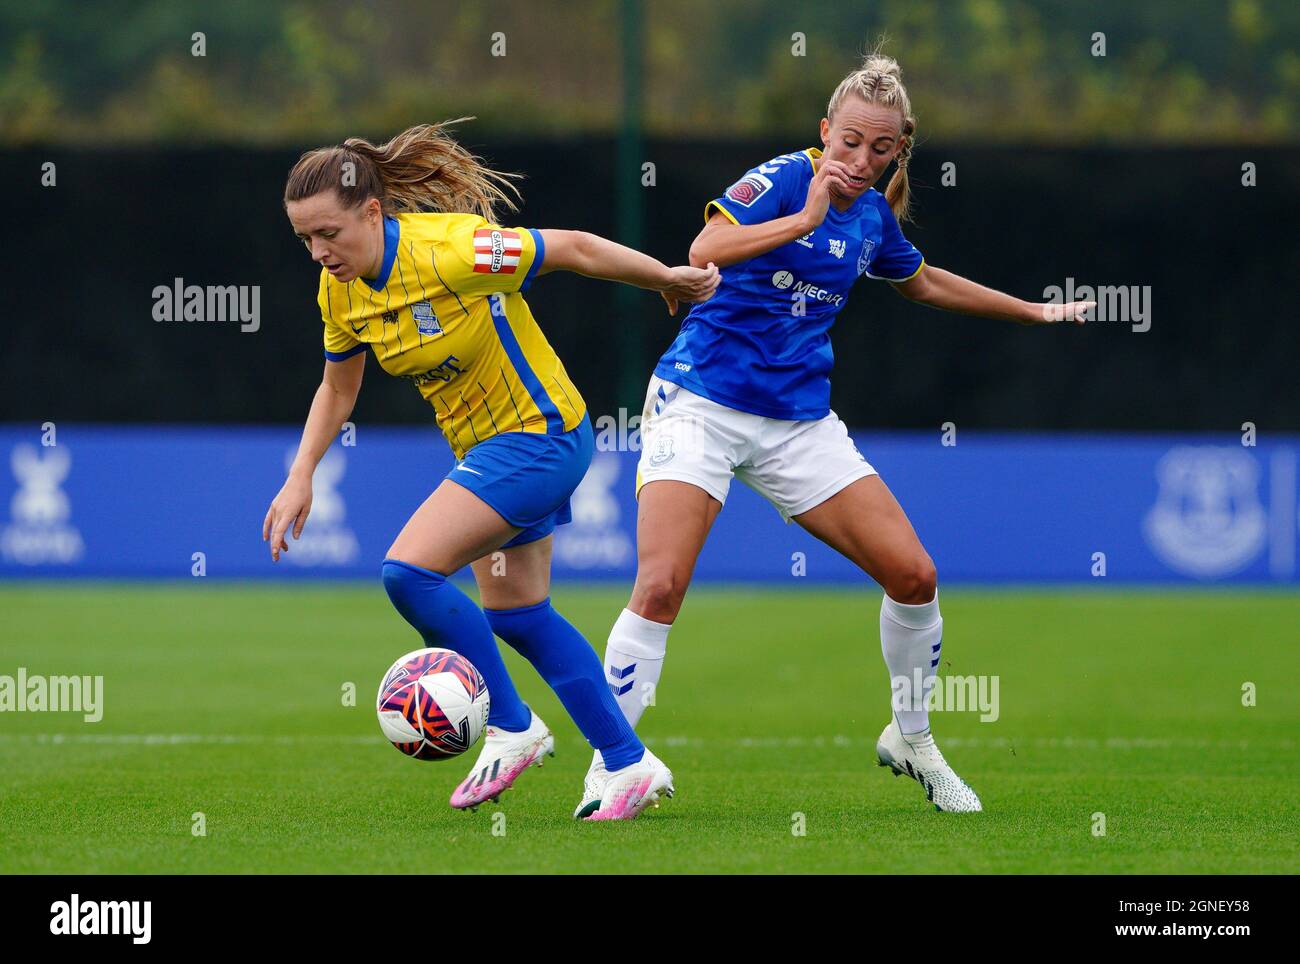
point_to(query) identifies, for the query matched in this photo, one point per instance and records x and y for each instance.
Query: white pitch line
(181, 739)
(996, 742)
(742, 743)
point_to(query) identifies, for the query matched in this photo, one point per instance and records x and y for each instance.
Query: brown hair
(421, 169)
(880, 81)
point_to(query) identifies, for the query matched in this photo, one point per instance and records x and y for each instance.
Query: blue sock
(449, 619)
(568, 663)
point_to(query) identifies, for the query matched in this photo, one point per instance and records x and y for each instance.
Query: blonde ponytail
(421, 169)
(880, 81)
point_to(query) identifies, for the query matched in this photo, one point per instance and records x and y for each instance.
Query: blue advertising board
(156, 502)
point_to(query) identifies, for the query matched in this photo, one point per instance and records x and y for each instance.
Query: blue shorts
(527, 477)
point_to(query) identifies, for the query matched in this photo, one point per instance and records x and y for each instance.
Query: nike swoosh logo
(356, 330)
(466, 468)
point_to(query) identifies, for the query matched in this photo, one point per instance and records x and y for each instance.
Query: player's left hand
(687, 284)
(1074, 311)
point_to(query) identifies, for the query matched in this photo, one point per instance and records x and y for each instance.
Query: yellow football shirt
(446, 313)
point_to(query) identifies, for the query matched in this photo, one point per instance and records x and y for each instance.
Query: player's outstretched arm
(597, 257)
(331, 407)
(951, 292)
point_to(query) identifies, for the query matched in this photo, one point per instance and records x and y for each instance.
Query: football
(432, 704)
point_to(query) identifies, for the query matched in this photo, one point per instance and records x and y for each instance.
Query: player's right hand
(289, 508)
(830, 174)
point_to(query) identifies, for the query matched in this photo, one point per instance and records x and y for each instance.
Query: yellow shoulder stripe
(899, 281)
(720, 209)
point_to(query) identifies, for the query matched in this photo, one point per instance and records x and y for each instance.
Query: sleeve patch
(497, 251)
(749, 189)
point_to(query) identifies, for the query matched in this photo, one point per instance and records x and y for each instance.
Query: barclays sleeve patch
(749, 189)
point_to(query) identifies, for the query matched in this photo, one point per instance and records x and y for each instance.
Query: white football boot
(628, 791)
(504, 756)
(915, 755)
(593, 787)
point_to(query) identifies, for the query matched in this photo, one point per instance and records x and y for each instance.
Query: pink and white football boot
(630, 790)
(504, 756)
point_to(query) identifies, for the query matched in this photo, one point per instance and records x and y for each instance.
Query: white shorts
(794, 465)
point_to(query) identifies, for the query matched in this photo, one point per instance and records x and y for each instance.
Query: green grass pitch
(226, 700)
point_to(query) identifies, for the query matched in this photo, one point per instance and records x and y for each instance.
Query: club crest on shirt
(749, 189)
(864, 259)
(426, 321)
(663, 452)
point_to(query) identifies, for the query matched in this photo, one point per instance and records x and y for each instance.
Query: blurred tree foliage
(112, 71)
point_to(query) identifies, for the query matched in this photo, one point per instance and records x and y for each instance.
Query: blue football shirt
(762, 343)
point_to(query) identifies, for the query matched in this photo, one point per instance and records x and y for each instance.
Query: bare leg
(452, 528)
(514, 577)
(673, 520)
(865, 523)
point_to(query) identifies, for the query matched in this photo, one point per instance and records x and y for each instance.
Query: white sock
(910, 638)
(634, 658)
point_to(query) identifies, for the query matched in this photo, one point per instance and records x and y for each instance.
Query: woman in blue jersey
(415, 268)
(744, 392)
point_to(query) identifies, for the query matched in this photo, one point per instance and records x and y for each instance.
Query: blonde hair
(421, 169)
(880, 81)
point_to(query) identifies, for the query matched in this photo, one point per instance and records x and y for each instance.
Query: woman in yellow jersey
(415, 267)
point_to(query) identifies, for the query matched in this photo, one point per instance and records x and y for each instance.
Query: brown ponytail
(421, 169)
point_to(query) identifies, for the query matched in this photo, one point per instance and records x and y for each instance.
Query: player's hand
(830, 174)
(686, 284)
(1052, 313)
(289, 508)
